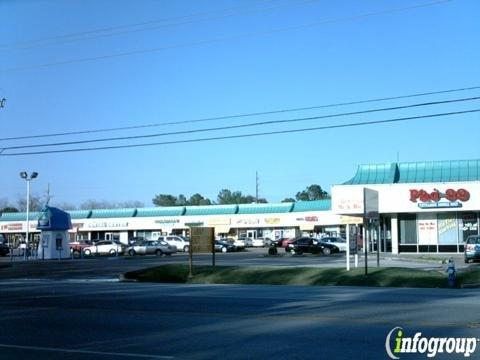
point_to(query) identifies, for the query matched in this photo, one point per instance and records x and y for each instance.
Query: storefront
(425, 207)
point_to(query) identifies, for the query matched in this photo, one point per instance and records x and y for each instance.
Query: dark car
(310, 245)
(222, 246)
(472, 248)
(4, 249)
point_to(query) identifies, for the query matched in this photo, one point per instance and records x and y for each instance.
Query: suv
(180, 243)
(472, 248)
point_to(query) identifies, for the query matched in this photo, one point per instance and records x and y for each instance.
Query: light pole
(24, 175)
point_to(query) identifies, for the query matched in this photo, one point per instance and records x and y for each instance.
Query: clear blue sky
(214, 58)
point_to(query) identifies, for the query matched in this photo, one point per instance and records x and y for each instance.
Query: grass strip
(382, 277)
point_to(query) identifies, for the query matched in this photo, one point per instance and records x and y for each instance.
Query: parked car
(339, 242)
(4, 249)
(222, 246)
(76, 247)
(104, 247)
(283, 242)
(261, 242)
(472, 248)
(179, 242)
(151, 247)
(243, 242)
(310, 245)
(136, 240)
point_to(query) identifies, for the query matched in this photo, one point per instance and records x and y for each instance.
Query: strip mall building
(423, 207)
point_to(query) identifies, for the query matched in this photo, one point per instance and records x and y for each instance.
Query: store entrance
(381, 235)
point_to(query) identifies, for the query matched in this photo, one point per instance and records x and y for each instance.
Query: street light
(24, 175)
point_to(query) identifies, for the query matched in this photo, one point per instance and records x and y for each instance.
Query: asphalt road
(60, 319)
(77, 309)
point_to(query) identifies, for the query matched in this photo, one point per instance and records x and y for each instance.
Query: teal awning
(417, 172)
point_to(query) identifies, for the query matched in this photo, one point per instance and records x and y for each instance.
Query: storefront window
(408, 229)
(447, 228)
(469, 225)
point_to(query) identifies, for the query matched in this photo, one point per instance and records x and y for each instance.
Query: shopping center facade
(423, 207)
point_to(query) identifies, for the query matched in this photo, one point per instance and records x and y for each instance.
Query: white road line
(89, 352)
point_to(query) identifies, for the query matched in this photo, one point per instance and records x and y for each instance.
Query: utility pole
(48, 197)
(256, 187)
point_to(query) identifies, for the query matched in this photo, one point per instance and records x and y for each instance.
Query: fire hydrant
(452, 274)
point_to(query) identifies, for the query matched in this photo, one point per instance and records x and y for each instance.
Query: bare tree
(36, 203)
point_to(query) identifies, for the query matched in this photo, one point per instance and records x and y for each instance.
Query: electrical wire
(231, 127)
(319, 128)
(90, 35)
(226, 117)
(220, 40)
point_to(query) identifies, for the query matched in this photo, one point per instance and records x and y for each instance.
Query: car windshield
(473, 240)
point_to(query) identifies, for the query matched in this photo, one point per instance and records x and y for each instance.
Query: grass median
(386, 277)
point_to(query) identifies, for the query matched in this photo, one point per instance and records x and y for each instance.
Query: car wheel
(87, 252)
(185, 249)
(158, 252)
(467, 260)
(327, 251)
(113, 252)
(292, 251)
(224, 249)
(132, 252)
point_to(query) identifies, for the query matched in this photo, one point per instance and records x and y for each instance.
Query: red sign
(435, 196)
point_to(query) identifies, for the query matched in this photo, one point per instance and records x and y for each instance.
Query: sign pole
(213, 252)
(348, 247)
(379, 233)
(365, 244)
(190, 257)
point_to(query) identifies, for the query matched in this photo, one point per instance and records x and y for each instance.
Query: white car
(260, 242)
(243, 242)
(339, 242)
(179, 242)
(104, 247)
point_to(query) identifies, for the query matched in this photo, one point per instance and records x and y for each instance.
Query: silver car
(151, 247)
(104, 247)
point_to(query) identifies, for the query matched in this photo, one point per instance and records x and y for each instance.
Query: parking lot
(104, 268)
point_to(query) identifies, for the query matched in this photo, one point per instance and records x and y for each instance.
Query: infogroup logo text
(432, 346)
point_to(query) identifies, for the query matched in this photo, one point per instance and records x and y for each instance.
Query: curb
(122, 278)
(470, 286)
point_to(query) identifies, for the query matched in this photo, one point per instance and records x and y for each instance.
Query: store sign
(272, 221)
(218, 221)
(433, 200)
(108, 224)
(248, 222)
(13, 227)
(308, 218)
(167, 221)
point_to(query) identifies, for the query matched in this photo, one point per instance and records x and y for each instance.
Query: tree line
(228, 197)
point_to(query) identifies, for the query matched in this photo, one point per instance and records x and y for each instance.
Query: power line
(231, 127)
(226, 117)
(225, 39)
(89, 35)
(365, 123)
